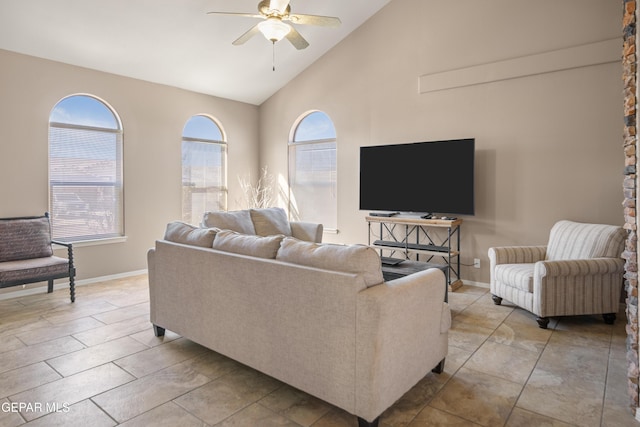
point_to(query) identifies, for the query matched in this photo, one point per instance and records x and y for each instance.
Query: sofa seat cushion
(358, 259)
(247, 244)
(270, 221)
(239, 221)
(187, 234)
(31, 268)
(519, 276)
(25, 238)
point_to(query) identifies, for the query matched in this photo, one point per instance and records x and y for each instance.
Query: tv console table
(414, 235)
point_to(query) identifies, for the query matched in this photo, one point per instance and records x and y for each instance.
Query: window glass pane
(203, 169)
(85, 111)
(315, 126)
(313, 182)
(85, 172)
(202, 127)
(313, 171)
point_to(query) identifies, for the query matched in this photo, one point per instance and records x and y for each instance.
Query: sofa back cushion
(270, 221)
(575, 240)
(239, 221)
(25, 238)
(187, 234)
(247, 244)
(358, 259)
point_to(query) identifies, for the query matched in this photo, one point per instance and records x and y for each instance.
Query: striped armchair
(579, 272)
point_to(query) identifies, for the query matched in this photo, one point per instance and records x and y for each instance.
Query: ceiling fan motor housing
(264, 7)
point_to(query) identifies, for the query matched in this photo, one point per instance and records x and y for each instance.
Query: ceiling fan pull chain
(273, 58)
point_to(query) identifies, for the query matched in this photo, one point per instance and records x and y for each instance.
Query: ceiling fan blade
(323, 21)
(279, 5)
(296, 39)
(246, 36)
(245, 15)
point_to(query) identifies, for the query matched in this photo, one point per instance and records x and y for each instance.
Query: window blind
(203, 178)
(85, 182)
(313, 182)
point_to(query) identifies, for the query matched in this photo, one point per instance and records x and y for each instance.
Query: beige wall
(153, 117)
(548, 145)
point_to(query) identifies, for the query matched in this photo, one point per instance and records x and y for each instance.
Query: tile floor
(97, 362)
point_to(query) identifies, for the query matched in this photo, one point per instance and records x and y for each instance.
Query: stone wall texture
(629, 76)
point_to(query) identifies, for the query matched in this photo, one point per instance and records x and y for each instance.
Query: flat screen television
(422, 177)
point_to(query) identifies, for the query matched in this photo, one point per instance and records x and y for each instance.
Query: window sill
(98, 242)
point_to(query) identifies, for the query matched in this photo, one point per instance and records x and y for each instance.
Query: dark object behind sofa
(26, 254)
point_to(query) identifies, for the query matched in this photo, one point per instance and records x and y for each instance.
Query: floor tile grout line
(461, 366)
(515, 404)
(177, 397)
(257, 402)
(32, 388)
(102, 409)
(606, 378)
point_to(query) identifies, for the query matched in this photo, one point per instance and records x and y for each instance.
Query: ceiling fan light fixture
(274, 29)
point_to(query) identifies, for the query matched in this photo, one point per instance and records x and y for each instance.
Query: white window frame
(294, 211)
(95, 218)
(222, 187)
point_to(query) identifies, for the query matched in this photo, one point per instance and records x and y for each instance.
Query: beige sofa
(316, 316)
(263, 222)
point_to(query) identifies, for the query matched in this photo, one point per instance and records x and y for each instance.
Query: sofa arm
(575, 287)
(517, 254)
(69, 246)
(401, 335)
(579, 267)
(151, 274)
(307, 231)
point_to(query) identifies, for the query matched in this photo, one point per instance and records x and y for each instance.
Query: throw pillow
(239, 221)
(359, 259)
(270, 221)
(247, 244)
(25, 238)
(187, 234)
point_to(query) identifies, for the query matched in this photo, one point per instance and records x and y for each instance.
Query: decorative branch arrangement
(259, 195)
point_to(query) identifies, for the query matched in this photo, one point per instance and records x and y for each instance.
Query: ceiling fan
(274, 13)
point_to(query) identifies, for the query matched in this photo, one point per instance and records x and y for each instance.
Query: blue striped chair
(580, 271)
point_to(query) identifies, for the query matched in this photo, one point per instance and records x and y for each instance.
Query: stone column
(630, 185)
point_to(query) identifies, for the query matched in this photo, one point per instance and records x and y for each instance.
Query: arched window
(313, 171)
(85, 170)
(204, 168)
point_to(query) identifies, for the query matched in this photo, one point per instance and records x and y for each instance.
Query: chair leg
(50, 286)
(543, 322)
(609, 318)
(496, 299)
(439, 368)
(364, 423)
(72, 288)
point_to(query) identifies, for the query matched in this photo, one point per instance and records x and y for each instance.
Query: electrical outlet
(476, 263)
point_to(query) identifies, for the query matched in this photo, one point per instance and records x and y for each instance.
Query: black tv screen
(422, 177)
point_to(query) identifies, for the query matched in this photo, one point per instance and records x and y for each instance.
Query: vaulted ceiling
(175, 42)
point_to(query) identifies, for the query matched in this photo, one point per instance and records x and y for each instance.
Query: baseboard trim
(478, 284)
(65, 285)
